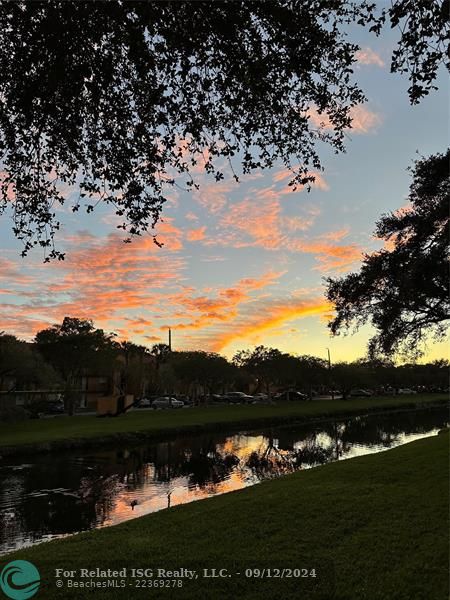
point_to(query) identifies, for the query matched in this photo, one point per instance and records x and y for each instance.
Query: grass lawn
(64, 429)
(375, 528)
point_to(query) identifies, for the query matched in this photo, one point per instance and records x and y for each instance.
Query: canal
(54, 495)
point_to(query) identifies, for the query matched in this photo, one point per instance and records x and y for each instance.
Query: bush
(13, 414)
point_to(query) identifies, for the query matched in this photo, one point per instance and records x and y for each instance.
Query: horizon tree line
(61, 354)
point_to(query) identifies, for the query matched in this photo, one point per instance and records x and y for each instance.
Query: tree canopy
(120, 100)
(207, 369)
(267, 365)
(74, 346)
(403, 289)
(21, 365)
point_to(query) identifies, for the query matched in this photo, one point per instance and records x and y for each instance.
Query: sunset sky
(242, 264)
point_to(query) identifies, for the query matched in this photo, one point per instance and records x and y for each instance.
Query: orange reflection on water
(152, 495)
(169, 494)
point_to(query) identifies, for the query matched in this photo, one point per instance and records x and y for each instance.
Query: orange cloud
(282, 174)
(101, 278)
(10, 273)
(298, 223)
(251, 223)
(319, 181)
(152, 338)
(204, 311)
(338, 258)
(331, 257)
(266, 317)
(259, 221)
(194, 235)
(139, 322)
(335, 236)
(213, 196)
(169, 234)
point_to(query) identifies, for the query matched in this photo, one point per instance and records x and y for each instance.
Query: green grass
(378, 522)
(64, 429)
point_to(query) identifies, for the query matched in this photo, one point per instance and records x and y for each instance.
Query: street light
(329, 368)
(329, 359)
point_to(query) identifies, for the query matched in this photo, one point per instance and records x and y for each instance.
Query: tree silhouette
(264, 364)
(121, 100)
(21, 365)
(72, 348)
(207, 370)
(423, 46)
(403, 290)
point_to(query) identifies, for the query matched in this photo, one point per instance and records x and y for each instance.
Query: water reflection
(56, 495)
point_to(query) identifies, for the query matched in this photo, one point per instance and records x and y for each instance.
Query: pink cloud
(101, 278)
(366, 56)
(298, 223)
(169, 234)
(329, 255)
(259, 221)
(213, 196)
(195, 235)
(364, 120)
(319, 181)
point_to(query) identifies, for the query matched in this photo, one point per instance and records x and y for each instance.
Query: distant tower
(170, 339)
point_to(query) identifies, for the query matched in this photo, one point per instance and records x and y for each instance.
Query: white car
(405, 391)
(237, 397)
(167, 402)
(261, 398)
(144, 403)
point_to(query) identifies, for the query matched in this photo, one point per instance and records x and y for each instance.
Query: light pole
(329, 369)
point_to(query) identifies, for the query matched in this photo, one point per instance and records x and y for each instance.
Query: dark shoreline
(136, 438)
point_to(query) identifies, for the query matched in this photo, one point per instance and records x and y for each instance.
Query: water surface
(53, 495)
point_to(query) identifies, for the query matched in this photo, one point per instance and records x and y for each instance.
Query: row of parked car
(179, 401)
(387, 391)
(161, 402)
(228, 398)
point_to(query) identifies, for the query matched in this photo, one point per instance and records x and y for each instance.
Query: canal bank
(374, 527)
(53, 495)
(78, 432)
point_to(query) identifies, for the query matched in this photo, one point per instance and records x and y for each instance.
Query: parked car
(387, 391)
(187, 400)
(218, 398)
(333, 393)
(361, 393)
(144, 403)
(260, 396)
(290, 396)
(405, 391)
(38, 409)
(236, 397)
(55, 408)
(167, 402)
